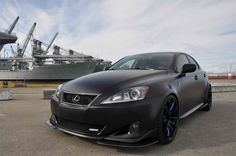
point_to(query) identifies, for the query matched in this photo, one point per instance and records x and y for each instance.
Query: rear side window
(192, 61)
(181, 60)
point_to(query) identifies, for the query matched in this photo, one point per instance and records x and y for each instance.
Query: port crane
(7, 37)
(13, 25)
(18, 61)
(21, 51)
(39, 51)
(37, 46)
(50, 44)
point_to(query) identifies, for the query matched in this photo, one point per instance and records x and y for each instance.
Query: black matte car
(137, 101)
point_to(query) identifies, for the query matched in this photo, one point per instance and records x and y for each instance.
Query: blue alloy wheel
(170, 118)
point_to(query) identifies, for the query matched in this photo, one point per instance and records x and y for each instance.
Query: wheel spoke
(167, 131)
(171, 123)
(172, 129)
(172, 107)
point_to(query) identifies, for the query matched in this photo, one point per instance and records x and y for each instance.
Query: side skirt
(191, 111)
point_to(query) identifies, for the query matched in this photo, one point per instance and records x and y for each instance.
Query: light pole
(231, 67)
(230, 74)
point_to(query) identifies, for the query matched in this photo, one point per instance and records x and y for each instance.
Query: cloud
(112, 29)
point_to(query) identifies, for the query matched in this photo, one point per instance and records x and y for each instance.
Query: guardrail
(223, 87)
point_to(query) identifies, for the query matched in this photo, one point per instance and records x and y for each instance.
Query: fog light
(134, 127)
(93, 129)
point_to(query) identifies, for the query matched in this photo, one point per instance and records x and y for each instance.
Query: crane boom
(13, 25)
(53, 39)
(22, 50)
(9, 32)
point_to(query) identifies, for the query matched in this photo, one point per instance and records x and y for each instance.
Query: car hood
(98, 82)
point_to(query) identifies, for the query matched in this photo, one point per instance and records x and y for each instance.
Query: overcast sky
(111, 29)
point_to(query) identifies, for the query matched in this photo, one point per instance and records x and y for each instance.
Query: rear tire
(168, 119)
(208, 100)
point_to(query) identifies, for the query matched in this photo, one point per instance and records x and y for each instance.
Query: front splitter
(102, 141)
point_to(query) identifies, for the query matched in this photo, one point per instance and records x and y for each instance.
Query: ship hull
(51, 72)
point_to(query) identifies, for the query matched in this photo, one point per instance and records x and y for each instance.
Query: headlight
(57, 93)
(130, 94)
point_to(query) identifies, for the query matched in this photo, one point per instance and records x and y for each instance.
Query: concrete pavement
(23, 131)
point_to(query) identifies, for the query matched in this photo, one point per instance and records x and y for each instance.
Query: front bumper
(111, 122)
(102, 141)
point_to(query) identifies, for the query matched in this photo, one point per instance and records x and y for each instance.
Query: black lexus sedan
(137, 101)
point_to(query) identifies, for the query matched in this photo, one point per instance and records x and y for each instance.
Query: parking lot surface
(23, 131)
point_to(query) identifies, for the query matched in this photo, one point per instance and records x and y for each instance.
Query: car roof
(150, 53)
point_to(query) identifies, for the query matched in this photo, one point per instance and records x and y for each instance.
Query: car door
(188, 88)
(200, 81)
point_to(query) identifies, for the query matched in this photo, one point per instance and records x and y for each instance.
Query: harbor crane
(50, 44)
(7, 37)
(21, 51)
(13, 25)
(37, 46)
(39, 51)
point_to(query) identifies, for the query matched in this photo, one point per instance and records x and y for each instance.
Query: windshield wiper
(149, 69)
(158, 68)
(161, 68)
(138, 68)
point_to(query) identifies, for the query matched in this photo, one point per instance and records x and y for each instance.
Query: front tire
(168, 120)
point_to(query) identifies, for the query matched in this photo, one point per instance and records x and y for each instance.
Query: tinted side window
(192, 61)
(127, 65)
(181, 60)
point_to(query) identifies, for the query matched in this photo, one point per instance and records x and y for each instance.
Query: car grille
(78, 99)
(79, 127)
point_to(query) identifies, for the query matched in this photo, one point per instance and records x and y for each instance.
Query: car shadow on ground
(198, 131)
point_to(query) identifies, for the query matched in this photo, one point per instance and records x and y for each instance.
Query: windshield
(158, 61)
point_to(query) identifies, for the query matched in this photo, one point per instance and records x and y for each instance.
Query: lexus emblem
(76, 98)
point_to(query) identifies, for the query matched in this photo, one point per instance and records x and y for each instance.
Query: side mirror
(188, 68)
(106, 68)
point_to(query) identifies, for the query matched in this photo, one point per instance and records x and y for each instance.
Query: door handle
(196, 77)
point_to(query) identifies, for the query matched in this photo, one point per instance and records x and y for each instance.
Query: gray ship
(62, 64)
